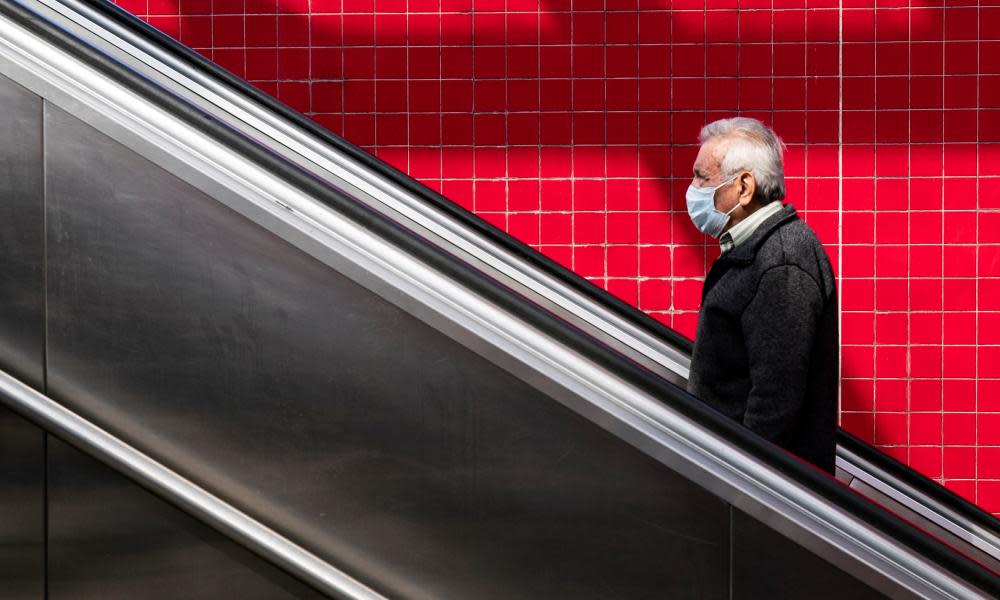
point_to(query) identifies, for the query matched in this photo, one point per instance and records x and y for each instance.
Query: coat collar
(747, 251)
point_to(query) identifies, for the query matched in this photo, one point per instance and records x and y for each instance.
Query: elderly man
(765, 353)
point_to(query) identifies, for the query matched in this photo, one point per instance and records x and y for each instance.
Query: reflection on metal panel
(22, 473)
(769, 565)
(335, 417)
(22, 526)
(111, 539)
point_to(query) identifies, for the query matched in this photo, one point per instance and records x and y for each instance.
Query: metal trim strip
(177, 490)
(904, 494)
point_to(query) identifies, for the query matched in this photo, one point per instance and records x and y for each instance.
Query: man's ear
(748, 185)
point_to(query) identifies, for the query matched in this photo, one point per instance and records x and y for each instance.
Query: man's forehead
(708, 155)
(711, 152)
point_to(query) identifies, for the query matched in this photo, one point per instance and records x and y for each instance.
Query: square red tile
(959, 463)
(524, 226)
(891, 428)
(589, 260)
(926, 460)
(988, 495)
(860, 424)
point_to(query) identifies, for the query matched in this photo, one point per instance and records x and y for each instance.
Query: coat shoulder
(792, 243)
(796, 244)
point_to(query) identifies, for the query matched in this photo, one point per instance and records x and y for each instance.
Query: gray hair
(753, 147)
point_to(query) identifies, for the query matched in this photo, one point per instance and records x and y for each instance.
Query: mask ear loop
(731, 179)
(724, 183)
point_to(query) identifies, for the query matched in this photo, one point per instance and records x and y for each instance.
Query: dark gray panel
(22, 526)
(109, 538)
(22, 512)
(766, 564)
(383, 445)
(21, 234)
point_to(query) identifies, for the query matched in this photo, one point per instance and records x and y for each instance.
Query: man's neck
(742, 230)
(744, 212)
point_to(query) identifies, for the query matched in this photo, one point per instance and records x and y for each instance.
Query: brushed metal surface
(768, 565)
(22, 473)
(22, 215)
(339, 419)
(212, 511)
(932, 527)
(109, 538)
(22, 514)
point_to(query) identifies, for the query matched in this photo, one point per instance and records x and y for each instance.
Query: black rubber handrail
(919, 482)
(805, 474)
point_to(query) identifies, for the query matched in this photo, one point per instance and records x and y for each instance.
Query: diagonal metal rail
(179, 491)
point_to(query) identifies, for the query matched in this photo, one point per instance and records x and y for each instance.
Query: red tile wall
(572, 124)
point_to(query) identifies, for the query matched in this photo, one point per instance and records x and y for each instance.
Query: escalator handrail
(940, 499)
(847, 504)
(180, 492)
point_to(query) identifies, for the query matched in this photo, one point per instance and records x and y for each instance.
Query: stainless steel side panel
(323, 410)
(22, 513)
(766, 564)
(110, 539)
(22, 466)
(22, 285)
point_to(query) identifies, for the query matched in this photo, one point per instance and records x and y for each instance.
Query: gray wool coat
(766, 348)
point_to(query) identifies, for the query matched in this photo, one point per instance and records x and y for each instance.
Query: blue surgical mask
(701, 209)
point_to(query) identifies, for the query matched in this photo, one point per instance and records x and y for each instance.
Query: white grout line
(840, 197)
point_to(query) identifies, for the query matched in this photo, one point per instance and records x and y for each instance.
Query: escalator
(489, 250)
(329, 380)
